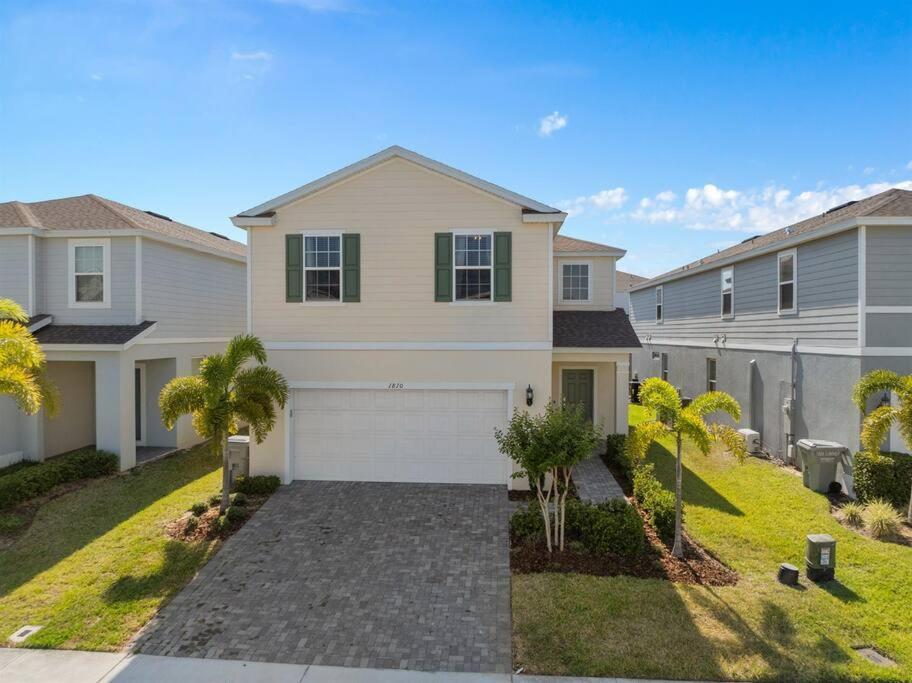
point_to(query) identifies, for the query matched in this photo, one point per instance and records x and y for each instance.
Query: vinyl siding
(14, 269)
(54, 269)
(397, 207)
(889, 266)
(827, 300)
(190, 294)
(602, 283)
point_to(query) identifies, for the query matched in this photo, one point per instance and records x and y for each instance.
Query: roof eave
(556, 217)
(583, 254)
(244, 222)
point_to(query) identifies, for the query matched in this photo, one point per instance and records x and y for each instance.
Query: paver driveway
(409, 576)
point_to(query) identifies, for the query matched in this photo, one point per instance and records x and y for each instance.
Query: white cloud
(257, 56)
(909, 166)
(666, 196)
(552, 122)
(96, 77)
(604, 200)
(869, 170)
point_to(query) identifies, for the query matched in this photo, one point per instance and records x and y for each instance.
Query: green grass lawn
(752, 516)
(95, 565)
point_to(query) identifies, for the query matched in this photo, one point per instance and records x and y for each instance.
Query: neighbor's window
(665, 366)
(575, 282)
(710, 374)
(788, 291)
(89, 273)
(322, 267)
(728, 292)
(659, 297)
(473, 267)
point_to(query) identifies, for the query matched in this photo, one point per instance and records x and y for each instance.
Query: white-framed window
(89, 273)
(576, 282)
(710, 374)
(473, 266)
(788, 281)
(322, 267)
(728, 292)
(659, 300)
(665, 366)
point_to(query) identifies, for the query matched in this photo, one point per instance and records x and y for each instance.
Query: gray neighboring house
(121, 300)
(794, 317)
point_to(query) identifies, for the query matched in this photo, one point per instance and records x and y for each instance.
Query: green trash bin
(820, 557)
(819, 460)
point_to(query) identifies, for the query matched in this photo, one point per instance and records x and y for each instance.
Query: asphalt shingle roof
(624, 281)
(594, 329)
(91, 212)
(564, 243)
(90, 334)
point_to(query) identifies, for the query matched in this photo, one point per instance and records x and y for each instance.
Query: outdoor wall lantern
(529, 395)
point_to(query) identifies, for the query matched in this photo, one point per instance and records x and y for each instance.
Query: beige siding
(602, 282)
(397, 207)
(74, 425)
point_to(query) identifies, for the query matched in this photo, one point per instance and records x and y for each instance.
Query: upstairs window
(472, 272)
(788, 282)
(322, 267)
(89, 273)
(659, 296)
(710, 374)
(575, 283)
(728, 292)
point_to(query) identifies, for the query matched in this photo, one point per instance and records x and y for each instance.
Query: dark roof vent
(841, 206)
(215, 234)
(159, 215)
(749, 239)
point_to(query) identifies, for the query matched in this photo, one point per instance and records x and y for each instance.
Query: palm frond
(241, 349)
(730, 439)
(260, 415)
(637, 444)
(21, 386)
(877, 381)
(50, 395)
(713, 401)
(876, 426)
(690, 424)
(262, 379)
(660, 396)
(180, 396)
(10, 310)
(18, 346)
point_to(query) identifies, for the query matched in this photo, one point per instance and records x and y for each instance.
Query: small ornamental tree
(673, 419)
(876, 424)
(546, 448)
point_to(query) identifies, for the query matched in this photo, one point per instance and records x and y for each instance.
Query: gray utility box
(238, 457)
(819, 461)
(820, 557)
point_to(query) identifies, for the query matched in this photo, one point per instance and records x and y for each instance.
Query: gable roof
(563, 244)
(264, 210)
(624, 281)
(594, 329)
(890, 203)
(91, 212)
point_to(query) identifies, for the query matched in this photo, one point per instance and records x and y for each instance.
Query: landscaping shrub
(615, 451)
(658, 502)
(259, 485)
(31, 482)
(853, 514)
(198, 508)
(191, 525)
(881, 519)
(215, 499)
(10, 523)
(885, 475)
(16, 466)
(528, 524)
(238, 499)
(235, 513)
(612, 527)
(645, 482)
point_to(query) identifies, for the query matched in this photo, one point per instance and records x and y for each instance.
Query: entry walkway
(594, 481)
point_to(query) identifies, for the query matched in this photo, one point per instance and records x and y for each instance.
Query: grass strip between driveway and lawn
(95, 564)
(752, 516)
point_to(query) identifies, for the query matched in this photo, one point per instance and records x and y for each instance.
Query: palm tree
(876, 424)
(22, 365)
(226, 393)
(672, 418)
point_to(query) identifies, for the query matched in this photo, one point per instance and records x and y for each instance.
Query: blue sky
(670, 130)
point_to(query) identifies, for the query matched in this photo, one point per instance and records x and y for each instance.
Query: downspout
(751, 371)
(791, 406)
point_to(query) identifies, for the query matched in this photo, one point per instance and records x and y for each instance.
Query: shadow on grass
(73, 521)
(180, 562)
(841, 592)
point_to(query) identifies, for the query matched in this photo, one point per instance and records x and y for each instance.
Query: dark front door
(577, 387)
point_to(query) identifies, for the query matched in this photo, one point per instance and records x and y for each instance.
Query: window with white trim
(788, 281)
(576, 283)
(472, 266)
(665, 366)
(659, 299)
(728, 292)
(322, 268)
(710, 374)
(89, 266)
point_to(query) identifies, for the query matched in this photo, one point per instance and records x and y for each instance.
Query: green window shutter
(443, 266)
(351, 267)
(294, 268)
(503, 259)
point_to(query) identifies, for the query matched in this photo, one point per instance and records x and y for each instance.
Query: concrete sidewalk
(40, 666)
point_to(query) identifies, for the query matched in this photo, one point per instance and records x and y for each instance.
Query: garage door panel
(404, 435)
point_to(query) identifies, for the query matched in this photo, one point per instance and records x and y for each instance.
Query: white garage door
(410, 435)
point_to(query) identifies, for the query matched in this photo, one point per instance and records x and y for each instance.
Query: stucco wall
(604, 390)
(74, 425)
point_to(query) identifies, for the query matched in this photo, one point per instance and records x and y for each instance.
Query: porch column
(115, 401)
(622, 383)
(183, 428)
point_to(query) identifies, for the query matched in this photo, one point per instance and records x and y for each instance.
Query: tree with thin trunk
(674, 419)
(22, 363)
(227, 391)
(876, 425)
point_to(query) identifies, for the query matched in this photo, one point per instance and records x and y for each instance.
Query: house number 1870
(396, 385)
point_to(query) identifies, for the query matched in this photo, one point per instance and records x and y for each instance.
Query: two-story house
(788, 321)
(412, 307)
(121, 300)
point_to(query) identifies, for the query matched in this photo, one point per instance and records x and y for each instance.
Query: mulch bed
(207, 527)
(902, 537)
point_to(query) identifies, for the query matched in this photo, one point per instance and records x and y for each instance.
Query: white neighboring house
(412, 307)
(121, 300)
